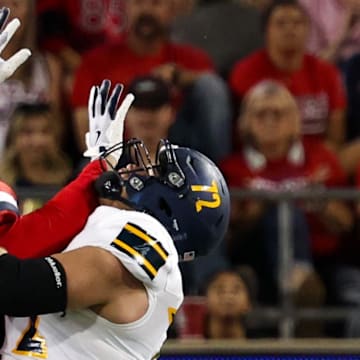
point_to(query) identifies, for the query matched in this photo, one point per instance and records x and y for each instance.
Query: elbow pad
(31, 287)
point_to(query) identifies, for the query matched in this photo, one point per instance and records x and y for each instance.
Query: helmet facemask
(135, 168)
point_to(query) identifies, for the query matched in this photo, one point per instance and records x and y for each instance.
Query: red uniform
(50, 229)
(120, 64)
(317, 87)
(290, 173)
(80, 24)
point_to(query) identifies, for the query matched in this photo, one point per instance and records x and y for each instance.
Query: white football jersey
(146, 249)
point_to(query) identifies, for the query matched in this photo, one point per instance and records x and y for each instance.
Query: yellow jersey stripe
(136, 254)
(146, 238)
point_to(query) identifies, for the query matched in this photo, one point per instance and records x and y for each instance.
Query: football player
(50, 228)
(114, 291)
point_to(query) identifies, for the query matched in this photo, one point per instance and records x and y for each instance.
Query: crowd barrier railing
(286, 314)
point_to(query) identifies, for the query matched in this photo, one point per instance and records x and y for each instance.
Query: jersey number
(31, 343)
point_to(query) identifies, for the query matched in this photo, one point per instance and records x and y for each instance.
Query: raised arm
(49, 229)
(9, 66)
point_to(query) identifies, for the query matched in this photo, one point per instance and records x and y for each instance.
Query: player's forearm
(31, 287)
(50, 229)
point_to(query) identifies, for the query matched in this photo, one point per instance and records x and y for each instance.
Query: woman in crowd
(33, 154)
(38, 80)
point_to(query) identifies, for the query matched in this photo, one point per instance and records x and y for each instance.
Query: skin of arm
(337, 217)
(349, 157)
(177, 75)
(336, 130)
(96, 279)
(245, 211)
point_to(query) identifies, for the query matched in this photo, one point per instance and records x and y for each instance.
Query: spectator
(204, 117)
(228, 300)
(349, 276)
(273, 158)
(38, 80)
(335, 36)
(33, 154)
(315, 83)
(335, 28)
(151, 114)
(68, 28)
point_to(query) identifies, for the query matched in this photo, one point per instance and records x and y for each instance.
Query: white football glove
(106, 121)
(9, 66)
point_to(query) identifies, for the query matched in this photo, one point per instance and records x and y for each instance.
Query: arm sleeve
(44, 279)
(50, 229)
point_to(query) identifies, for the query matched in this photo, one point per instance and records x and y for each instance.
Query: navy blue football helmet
(184, 190)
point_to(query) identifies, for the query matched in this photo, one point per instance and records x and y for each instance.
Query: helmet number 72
(213, 189)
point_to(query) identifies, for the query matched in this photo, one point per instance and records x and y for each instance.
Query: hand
(9, 66)
(106, 122)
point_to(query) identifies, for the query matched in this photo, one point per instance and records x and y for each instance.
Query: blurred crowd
(268, 89)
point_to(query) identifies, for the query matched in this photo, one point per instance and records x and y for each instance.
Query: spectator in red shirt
(151, 114)
(75, 26)
(273, 158)
(316, 84)
(203, 120)
(68, 28)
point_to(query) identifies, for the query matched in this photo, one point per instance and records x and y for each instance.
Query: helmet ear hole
(164, 206)
(109, 185)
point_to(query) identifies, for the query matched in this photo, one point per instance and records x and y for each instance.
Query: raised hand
(106, 119)
(9, 66)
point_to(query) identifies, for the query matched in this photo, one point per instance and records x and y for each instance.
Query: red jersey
(317, 86)
(120, 64)
(80, 24)
(50, 229)
(250, 170)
